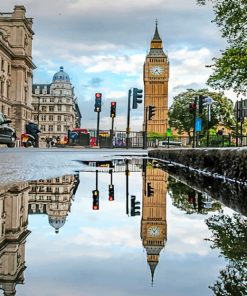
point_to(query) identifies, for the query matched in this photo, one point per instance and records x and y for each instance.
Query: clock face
(156, 70)
(154, 231)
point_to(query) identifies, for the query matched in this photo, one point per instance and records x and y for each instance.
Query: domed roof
(57, 222)
(61, 76)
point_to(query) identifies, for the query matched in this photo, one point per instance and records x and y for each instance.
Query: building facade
(153, 222)
(156, 75)
(55, 106)
(53, 197)
(13, 234)
(16, 67)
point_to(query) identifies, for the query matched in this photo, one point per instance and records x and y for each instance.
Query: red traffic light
(98, 95)
(111, 198)
(113, 103)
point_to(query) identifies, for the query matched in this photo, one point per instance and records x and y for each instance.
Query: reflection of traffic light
(192, 199)
(95, 199)
(97, 105)
(113, 109)
(135, 206)
(150, 190)
(200, 202)
(137, 95)
(151, 112)
(111, 192)
(192, 107)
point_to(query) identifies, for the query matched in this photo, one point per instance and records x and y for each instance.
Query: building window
(35, 118)
(50, 128)
(65, 128)
(51, 100)
(43, 117)
(59, 118)
(43, 108)
(43, 128)
(59, 108)
(59, 128)
(51, 118)
(51, 108)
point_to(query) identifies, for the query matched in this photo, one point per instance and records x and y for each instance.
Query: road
(21, 164)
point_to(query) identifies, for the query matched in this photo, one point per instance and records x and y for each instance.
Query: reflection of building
(153, 223)
(53, 197)
(13, 233)
(156, 75)
(16, 67)
(55, 106)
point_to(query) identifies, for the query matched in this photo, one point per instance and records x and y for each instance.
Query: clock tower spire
(155, 76)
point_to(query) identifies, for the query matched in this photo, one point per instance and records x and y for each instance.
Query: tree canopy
(230, 69)
(221, 111)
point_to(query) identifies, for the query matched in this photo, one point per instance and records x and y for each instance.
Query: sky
(102, 45)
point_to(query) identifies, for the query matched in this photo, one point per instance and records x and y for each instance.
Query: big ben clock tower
(153, 222)
(155, 76)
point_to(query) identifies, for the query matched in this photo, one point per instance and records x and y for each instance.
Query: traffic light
(200, 202)
(137, 95)
(150, 190)
(135, 206)
(97, 105)
(111, 192)
(113, 109)
(192, 107)
(95, 199)
(202, 101)
(151, 112)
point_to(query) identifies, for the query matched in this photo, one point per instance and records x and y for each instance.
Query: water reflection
(13, 230)
(58, 198)
(153, 222)
(53, 197)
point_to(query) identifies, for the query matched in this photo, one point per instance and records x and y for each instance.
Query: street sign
(198, 125)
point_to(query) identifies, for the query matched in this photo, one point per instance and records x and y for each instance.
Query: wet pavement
(64, 232)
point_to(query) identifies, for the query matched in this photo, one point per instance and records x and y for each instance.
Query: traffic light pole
(97, 133)
(127, 185)
(128, 120)
(111, 134)
(145, 128)
(194, 123)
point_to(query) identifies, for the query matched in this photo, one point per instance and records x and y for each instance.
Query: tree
(230, 69)
(221, 111)
(229, 235)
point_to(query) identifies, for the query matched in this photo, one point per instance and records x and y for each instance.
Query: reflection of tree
(188, 200)
(229, 235)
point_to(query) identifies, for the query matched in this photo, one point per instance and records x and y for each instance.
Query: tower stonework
(153, 222)
(156, 76)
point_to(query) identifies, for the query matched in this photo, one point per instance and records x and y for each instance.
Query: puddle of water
(54, 243)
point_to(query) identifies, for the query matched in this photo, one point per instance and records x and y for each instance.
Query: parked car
(7, 133)
(168, 142)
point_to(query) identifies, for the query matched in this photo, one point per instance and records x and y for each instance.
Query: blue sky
(102, 46)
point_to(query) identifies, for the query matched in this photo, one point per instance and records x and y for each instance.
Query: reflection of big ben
(153, 223)
(156, 75)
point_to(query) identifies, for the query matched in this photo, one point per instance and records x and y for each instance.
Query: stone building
(156, 75)
(54, 198)
(16, 67)
(13, 234)
(55, 106)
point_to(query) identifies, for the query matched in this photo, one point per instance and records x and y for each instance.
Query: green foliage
(221, 111)
(154, 136)
(229, 235)
(230, 68)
